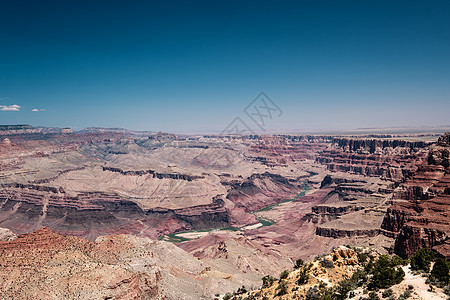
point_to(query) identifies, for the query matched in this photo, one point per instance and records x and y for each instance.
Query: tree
(398, 261)
(227, 296)
(299, 263)
(313, 293)
(441, 271)
(284, 274)
(282, 289)
(327, 263)
(303, 277)
(422, 259)
(268, 281)
(384, 274)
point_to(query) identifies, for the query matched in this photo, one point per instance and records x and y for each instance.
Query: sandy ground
(420, 290)
(420, 287)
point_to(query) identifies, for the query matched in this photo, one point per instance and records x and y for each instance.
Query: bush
(359, 277)
(313, 293)
(282, 287)
(373, 296)
(326, 263)
(268, 281)
(441, 271)
(421, 260)
(387, 293)
(447, 290)
(303, 277)
(407, 293)
(362, 257)
(398, 261)
(284, 274)
(241, 290)
(384, 274)
(227, 296)
(298, 263)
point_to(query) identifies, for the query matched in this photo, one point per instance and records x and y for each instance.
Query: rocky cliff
(26, 208)
(419, 215)
(388, 159)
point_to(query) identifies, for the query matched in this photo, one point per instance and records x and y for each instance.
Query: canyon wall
(419, 215)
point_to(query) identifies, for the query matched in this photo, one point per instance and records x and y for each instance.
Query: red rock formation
(420, 215)
(280, 150)
(27, 207)
(389, 159)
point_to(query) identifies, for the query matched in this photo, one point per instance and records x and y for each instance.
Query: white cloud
(13, 107)
(35, 109)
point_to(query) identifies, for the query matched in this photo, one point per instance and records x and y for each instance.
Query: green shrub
(359, 277)
(384, 274)
(227, 296)
(447, 290)
(303, 277)
(421, 260)
(362, 257)
(387, 293)
(268, 281)
(405, 295)
(373, 296)
(282, 287)
(326, 263)
(441, 271)
(398, 261)
(284, 274)
(298, 263)
(241, 290)
(313, 293)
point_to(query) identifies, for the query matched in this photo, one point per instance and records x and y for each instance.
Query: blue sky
(188, 67)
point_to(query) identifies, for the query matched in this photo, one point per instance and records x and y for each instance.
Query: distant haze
(180, 66)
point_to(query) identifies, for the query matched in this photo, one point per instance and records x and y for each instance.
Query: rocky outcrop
(155, 174)
(282, 150)
(6, 235)
(444, 140)
(419, 216)
(345, 233)
(389, 159)
(418, 224)
(92, 214)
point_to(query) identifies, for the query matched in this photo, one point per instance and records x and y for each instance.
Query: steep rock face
(418, 224)
(92, 214)
(444, 140)
(281, 150)
(419, 215)
(342, 233)
(389, 159)
(154, 173)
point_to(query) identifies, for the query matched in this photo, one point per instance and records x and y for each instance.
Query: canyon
(235, 207)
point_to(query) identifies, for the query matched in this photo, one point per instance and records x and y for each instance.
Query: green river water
(176, 238)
